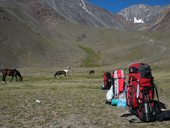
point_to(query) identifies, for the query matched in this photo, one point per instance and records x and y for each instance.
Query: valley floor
(74, 101)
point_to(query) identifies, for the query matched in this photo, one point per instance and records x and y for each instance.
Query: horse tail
(19, 74)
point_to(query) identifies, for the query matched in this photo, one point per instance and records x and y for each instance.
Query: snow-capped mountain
(142, 13)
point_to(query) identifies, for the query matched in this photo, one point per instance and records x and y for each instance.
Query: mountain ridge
(35, 34)
(149, 14)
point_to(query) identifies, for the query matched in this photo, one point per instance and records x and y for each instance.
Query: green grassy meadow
(74, 101)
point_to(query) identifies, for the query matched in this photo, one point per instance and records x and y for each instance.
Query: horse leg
(58, 76)
(54, 75)
(3, 78)
(16, 78)
(12, 78)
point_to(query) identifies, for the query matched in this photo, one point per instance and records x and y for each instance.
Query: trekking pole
(156, 90)
(137, 90)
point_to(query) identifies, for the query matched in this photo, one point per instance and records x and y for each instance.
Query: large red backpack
(140, 92)
(119, 82)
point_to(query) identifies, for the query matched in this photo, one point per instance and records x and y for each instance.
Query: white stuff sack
(109, 94)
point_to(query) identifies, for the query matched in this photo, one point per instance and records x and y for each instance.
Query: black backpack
(107, 81)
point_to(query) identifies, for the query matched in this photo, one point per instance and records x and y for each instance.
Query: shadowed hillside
(34, 34)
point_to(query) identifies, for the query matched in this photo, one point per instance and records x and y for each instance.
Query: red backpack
(140, 92)
(119, 82)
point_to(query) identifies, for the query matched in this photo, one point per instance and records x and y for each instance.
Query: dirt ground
(75, 101)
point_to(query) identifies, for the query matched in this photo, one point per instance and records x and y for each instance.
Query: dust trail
(155, 43)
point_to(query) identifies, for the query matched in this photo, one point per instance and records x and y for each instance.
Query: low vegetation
(72, 101)
(91, 58)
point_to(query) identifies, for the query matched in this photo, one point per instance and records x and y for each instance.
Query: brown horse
(10, 72)
(91, 72)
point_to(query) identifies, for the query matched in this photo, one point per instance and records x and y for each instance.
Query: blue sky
(117, 5)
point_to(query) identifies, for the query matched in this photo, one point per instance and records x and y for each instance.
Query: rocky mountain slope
(50, 33)
(163, 24)
(27, 41)
(142, 13)
(74, 11)
(82, 12)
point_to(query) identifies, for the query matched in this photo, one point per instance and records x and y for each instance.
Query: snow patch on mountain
(140, 21)
(83, 5)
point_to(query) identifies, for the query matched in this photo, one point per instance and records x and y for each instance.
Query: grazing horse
(10, 72)
(91, 72)
(64, 72)
(58, 73)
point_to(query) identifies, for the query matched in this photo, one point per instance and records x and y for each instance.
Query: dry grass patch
(73, 101)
